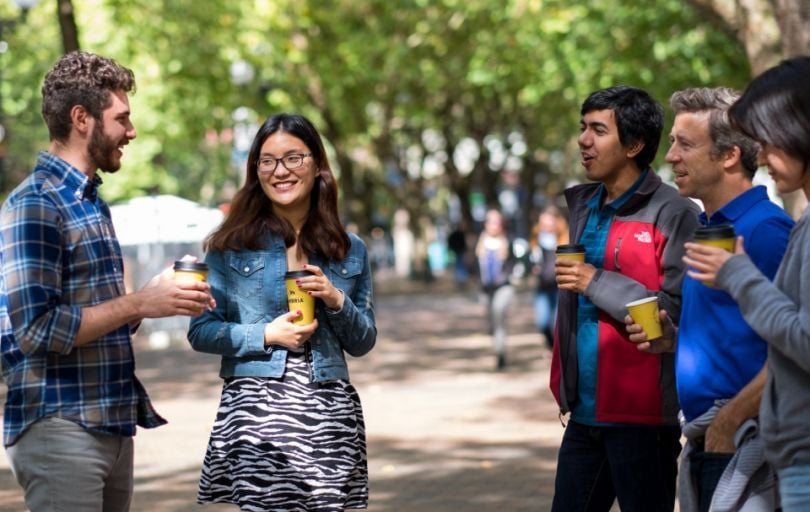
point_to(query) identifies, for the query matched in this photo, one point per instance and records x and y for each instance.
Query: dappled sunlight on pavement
(446, 432)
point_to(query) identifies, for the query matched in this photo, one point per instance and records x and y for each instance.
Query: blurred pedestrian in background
(457, 243)
(775, 111)
(495, 262)
(380, 253)
(289, 433)
(66, 322)
(550, 230)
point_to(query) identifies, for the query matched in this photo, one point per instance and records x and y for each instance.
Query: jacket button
(247, 269)
(344, 271)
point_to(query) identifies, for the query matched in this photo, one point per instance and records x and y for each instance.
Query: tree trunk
(67, 24)
(753, 23)
(794, 19)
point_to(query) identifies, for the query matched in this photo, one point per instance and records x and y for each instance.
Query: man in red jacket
(622, 439)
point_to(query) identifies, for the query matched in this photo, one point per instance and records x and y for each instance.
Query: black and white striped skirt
(287, 444)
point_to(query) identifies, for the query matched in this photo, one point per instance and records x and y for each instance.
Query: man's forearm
(745, 404)
(103, 318)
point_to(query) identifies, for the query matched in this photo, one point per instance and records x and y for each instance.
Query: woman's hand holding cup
(284, 332)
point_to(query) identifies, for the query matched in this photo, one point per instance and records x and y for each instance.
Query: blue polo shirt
(594, 238)
(718, 353)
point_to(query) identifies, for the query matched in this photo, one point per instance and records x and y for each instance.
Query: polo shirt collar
(737, 207)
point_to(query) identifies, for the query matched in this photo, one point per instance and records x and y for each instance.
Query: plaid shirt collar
(83, 186)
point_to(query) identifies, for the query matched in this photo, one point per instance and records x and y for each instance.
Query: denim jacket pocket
(344, 273)
(246, 282)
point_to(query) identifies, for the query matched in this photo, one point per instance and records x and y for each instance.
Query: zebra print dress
(287, 444)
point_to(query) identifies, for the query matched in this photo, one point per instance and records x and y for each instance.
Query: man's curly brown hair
(84, 79)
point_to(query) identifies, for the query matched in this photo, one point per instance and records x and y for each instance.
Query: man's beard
(102, 150)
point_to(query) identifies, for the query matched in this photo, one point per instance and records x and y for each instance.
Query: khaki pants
(63, 467)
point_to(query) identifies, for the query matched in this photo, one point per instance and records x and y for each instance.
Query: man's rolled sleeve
(33, 278)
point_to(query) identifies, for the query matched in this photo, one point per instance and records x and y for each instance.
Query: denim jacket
(249, 289)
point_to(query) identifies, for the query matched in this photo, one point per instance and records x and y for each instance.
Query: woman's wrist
(341, 299)
(267, 335)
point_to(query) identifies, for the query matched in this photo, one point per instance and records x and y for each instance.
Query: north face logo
(644, 237)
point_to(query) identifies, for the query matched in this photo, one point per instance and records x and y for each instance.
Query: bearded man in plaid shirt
(73, 401)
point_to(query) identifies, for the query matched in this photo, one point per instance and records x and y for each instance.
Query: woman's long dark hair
(775, 108)
(251, 215)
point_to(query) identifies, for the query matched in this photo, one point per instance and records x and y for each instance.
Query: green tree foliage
(417, 98)
(22, 66)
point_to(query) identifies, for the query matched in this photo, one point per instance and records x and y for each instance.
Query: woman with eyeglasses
(289, 431)
(774, 110)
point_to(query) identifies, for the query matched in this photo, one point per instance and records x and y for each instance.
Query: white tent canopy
(153, 232)
(163, 219)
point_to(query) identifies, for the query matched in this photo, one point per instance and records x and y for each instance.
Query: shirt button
(344, 271)
(247, 269)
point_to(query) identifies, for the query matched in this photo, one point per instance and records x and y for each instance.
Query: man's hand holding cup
(664, 343)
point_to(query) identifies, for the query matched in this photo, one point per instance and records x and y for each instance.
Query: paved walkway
(445, 431)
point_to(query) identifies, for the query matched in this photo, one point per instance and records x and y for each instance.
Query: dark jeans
(636, 464)
(705, 469)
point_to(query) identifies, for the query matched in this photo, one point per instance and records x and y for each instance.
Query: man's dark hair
(83, 79)
(639, 118)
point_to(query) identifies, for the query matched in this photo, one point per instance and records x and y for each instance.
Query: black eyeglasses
(268, 164)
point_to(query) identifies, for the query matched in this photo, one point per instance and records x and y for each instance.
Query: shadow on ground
(433, 402)
(467, 476)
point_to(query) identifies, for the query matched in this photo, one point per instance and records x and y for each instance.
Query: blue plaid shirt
(59, 254)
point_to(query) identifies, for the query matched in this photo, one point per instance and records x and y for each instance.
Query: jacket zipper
(616, 255)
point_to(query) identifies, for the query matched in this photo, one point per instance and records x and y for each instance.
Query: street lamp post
(24, 6)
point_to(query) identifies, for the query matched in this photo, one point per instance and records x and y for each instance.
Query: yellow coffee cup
(716, 236)
(721, 236)
(571, 252)
(299, 300)
(190, 271)
(645, 313)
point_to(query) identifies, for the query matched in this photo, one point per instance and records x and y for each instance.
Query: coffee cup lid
(570, 248)
(713, 232)
(190, 265)
(294, 274)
